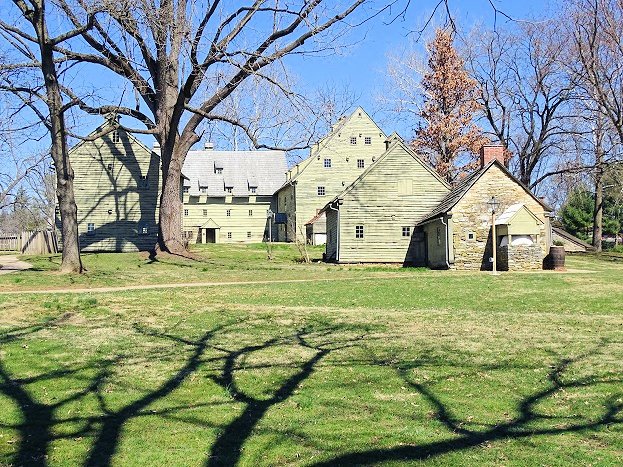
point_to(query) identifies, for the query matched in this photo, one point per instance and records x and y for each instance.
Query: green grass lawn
(359, 365)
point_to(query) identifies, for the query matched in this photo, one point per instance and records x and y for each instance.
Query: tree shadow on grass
(39, 423)
(521, 426)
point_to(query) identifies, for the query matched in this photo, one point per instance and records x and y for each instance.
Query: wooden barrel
(556, 258)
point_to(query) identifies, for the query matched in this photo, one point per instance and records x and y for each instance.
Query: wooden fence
(30, 243)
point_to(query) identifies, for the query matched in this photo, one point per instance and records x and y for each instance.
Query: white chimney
(208, 146)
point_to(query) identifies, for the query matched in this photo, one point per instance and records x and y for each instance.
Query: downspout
(447, 243)
(337, 245)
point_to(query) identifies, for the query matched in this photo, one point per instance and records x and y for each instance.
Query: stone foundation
(520, 258)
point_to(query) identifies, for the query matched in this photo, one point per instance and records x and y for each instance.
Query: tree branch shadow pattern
(38, 419)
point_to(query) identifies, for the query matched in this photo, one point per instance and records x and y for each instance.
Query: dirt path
(10, 263)
(179, 285)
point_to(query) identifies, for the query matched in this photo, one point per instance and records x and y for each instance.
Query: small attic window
(471, 236)
(353, 140)
(115, 136)
(218, 167)
(367, 140)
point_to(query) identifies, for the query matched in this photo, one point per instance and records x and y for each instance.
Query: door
(210, 235)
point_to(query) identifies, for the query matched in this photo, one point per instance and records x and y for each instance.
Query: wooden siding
(311, 173)
(109, 193)
(239, 223)
(396, 193)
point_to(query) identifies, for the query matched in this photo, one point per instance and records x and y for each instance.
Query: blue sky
(364, 64)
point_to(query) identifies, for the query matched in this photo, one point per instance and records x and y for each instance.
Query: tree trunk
(170, 217)
(598, 211)
(599, 207)
(71, 261)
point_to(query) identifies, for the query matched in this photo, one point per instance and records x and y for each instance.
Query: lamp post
(270, 215)
(494, 205)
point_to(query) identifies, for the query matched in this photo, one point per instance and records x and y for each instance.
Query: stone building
(459, 230)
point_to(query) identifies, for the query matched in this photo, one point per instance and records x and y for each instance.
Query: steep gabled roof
(324, 142)
(465, 185)
(108, 124)
(396, 143)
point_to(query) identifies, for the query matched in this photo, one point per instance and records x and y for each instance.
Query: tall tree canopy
(447, 134)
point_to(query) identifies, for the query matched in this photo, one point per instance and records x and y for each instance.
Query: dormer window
(229, 189)
(218, 167)
(253, 190)
(186, 189)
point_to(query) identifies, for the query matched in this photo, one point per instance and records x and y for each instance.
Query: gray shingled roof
(454, 196)
(464, 185)
(240, 170)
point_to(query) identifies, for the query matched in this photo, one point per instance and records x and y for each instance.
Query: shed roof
(266, 169)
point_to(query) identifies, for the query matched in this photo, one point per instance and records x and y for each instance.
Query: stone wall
(520, 257)
(471, 215)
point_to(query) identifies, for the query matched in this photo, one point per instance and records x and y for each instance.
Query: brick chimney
(490, 152)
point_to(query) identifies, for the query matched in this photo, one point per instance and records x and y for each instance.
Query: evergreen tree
(447, 136)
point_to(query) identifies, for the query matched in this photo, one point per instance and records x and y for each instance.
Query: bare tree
(526, 94)
(185, 59)
(42, 57)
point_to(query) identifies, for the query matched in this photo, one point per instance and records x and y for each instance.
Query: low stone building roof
(239, 170)
(580, 245)
(464, 186)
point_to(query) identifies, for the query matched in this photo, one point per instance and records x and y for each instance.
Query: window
(248, 234)
(185, 212)
(218, 171)
(142, 228)
(471, 235)
(367, 140)
(115, 136)
(229, 189)
(90, 228)
(204, 189)
(205, 212)
(228, 213)
(359, 231)
(353, 140)
(144, 183)
(438, 236)
(327, 163)
(110, 167)
(406, 231)
(188, 234)
(321, 191)
(250, 212)
(229, 235)
(186, 189)
(360, 163)
(253, 189)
